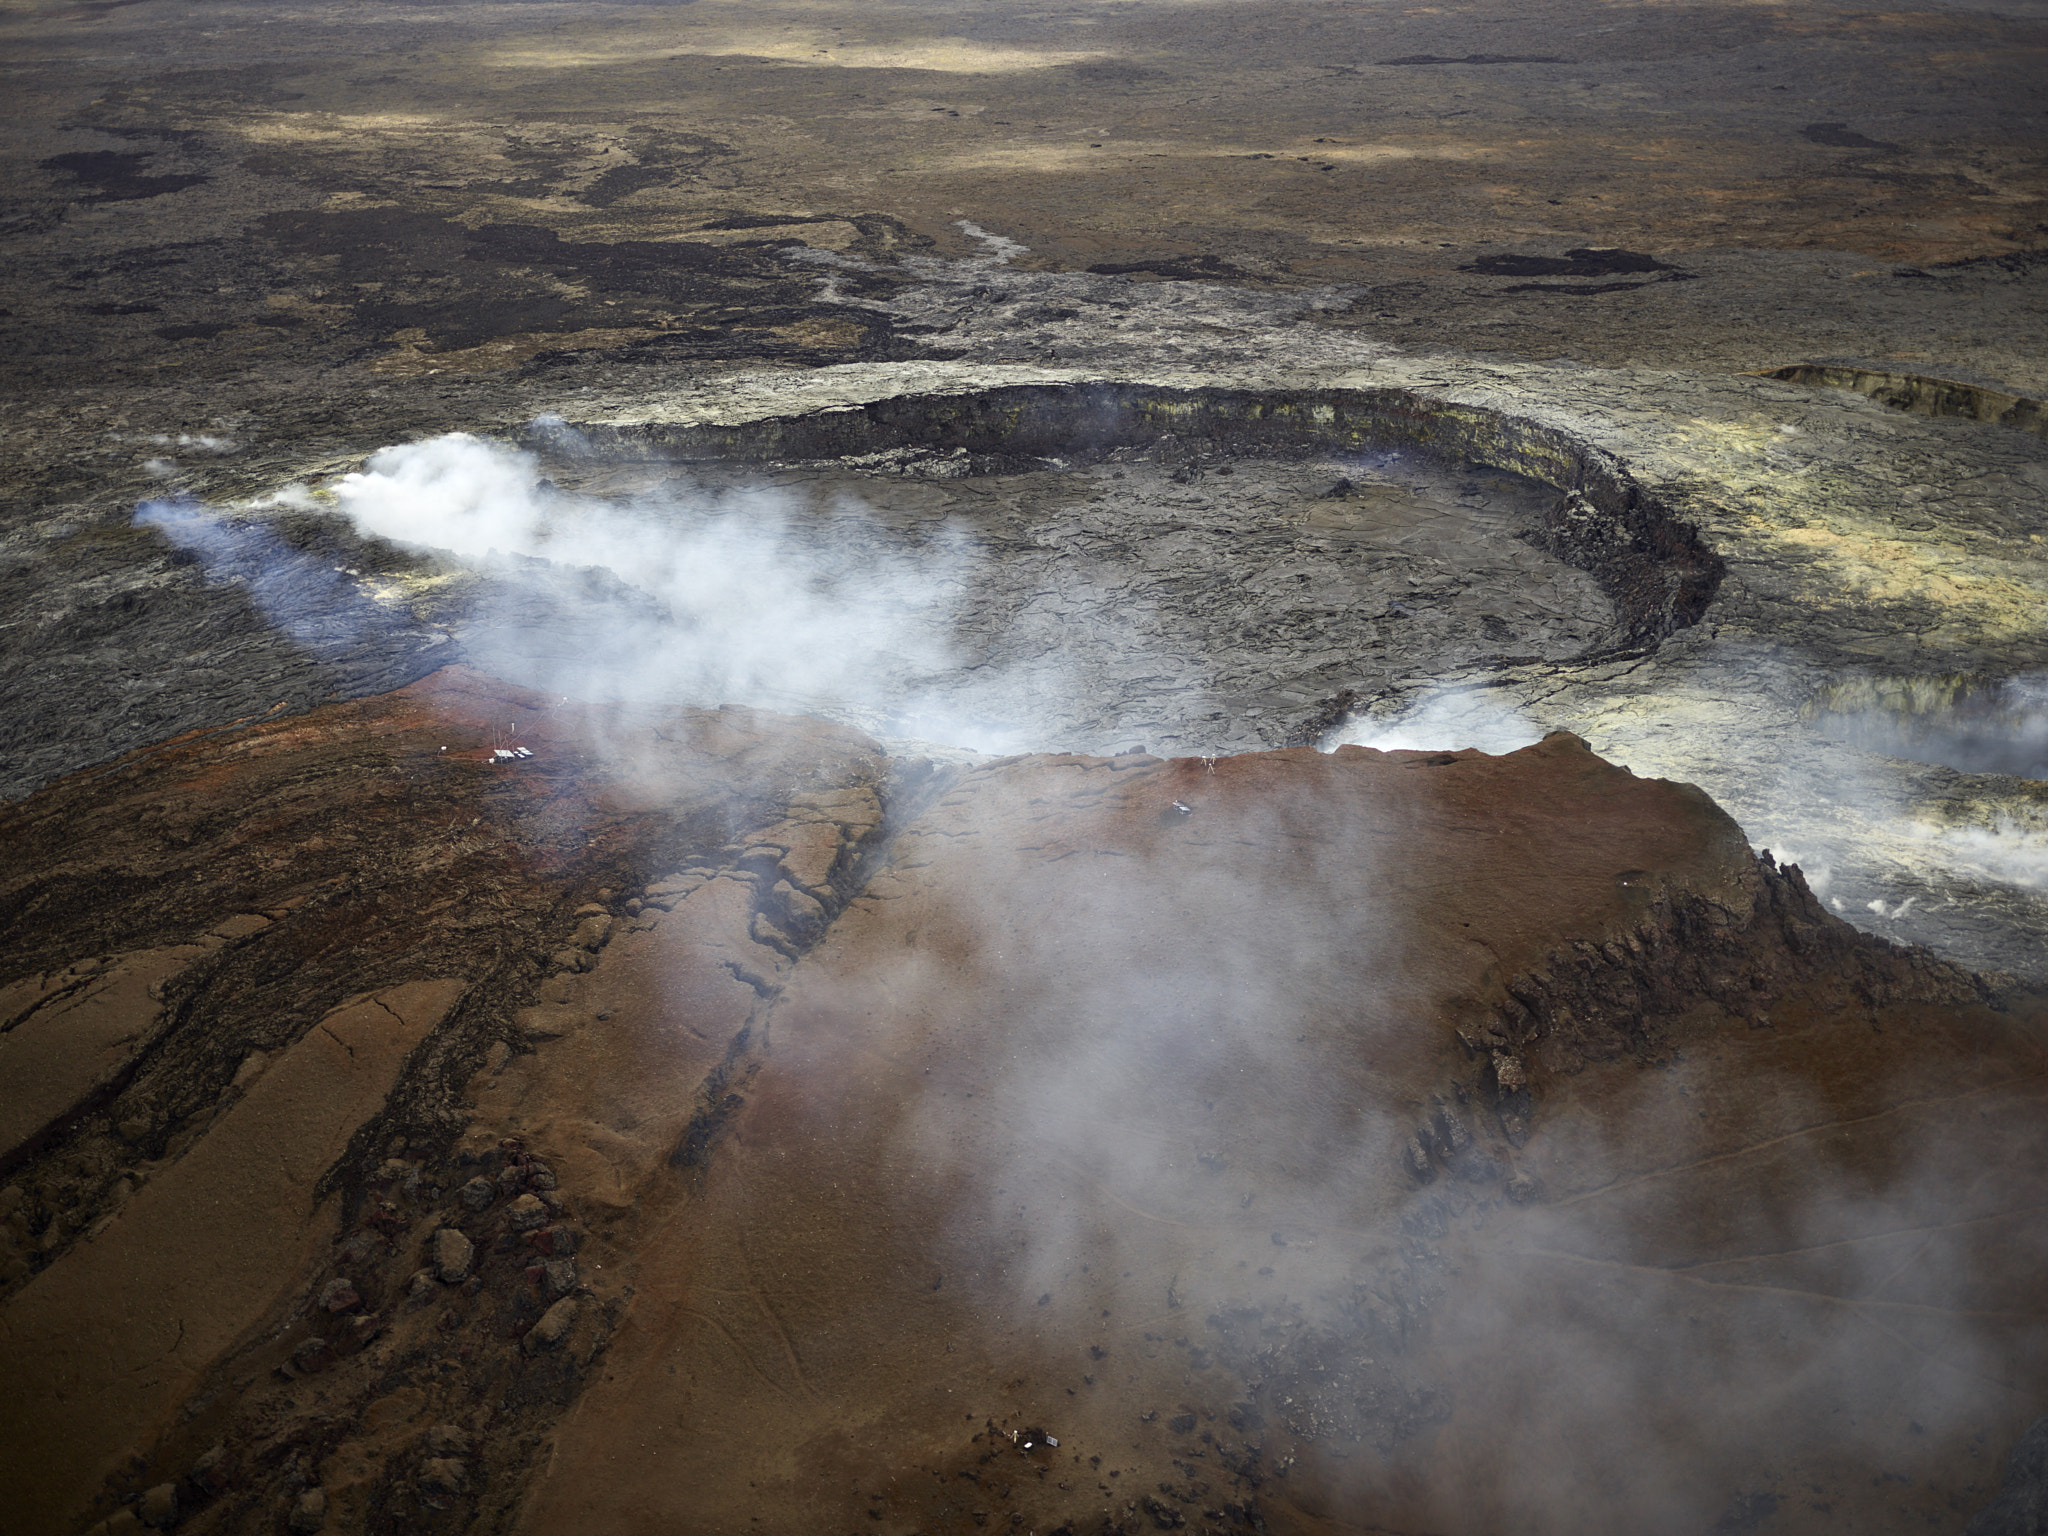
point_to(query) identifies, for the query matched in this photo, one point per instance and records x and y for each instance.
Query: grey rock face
(451, 1253)
(553, 1326)
(158, 1508)
(526, 1213)
(444, 1474)
(558, 1277)
(2021, 1505)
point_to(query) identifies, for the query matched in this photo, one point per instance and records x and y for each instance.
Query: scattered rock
(540, 1176)
(1164, 1516)
(339, 1295)
(251, 1068)
(544, 1023)
(310, 1512)
(559, 1276)
(449, 1440)
(478, 1193)
(1449, 1132)
(444, 1474)
(209, 1472)
(527, 1213)
(158, 1508)
(1416, 1155)
(553, 1326)
(801, 910)
(421, 1286)
(1477, 1165)
(451, 1253)
(592, 933)
(311, 1354)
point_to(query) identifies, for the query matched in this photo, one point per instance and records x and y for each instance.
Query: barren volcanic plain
(1142, 766)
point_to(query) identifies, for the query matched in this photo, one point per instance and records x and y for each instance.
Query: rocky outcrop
(793, 1137)
(1924, 396)
(1649, 561)
(229, 1135)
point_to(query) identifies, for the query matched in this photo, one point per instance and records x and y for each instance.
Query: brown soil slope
(703, 1125)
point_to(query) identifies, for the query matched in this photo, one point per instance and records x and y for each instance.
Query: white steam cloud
(2008, 852)
(1190, 1120)
(1169, 1087)
(791, 600)
(742, 606)
(1446, 720)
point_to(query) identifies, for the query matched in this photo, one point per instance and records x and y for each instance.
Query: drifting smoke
(721, 596)
(1448, 720)
(1853, 822)
(1173, 1073)
(2007, 852)
(316, 604)
(1866, 809)
(1176, 1081)
(1155, 1021)
(1965, 723)
(1001, 250)
(739, 605)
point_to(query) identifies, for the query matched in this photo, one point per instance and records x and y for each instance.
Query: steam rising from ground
(700, 595)
(1965, 723)
(2006, 851)
(1182, 1089)
(740, 610)
(1446, 720)
(690, 594)
(1173, 1077)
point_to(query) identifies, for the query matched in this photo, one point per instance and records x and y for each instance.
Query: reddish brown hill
(702, 1125)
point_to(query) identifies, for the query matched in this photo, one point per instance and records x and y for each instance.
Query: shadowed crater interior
(1064, 568)
(1970, 723)
(1091, 568)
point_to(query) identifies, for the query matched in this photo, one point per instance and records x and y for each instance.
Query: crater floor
(1199, 612)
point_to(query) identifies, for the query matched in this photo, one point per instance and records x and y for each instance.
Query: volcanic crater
(801, 768)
